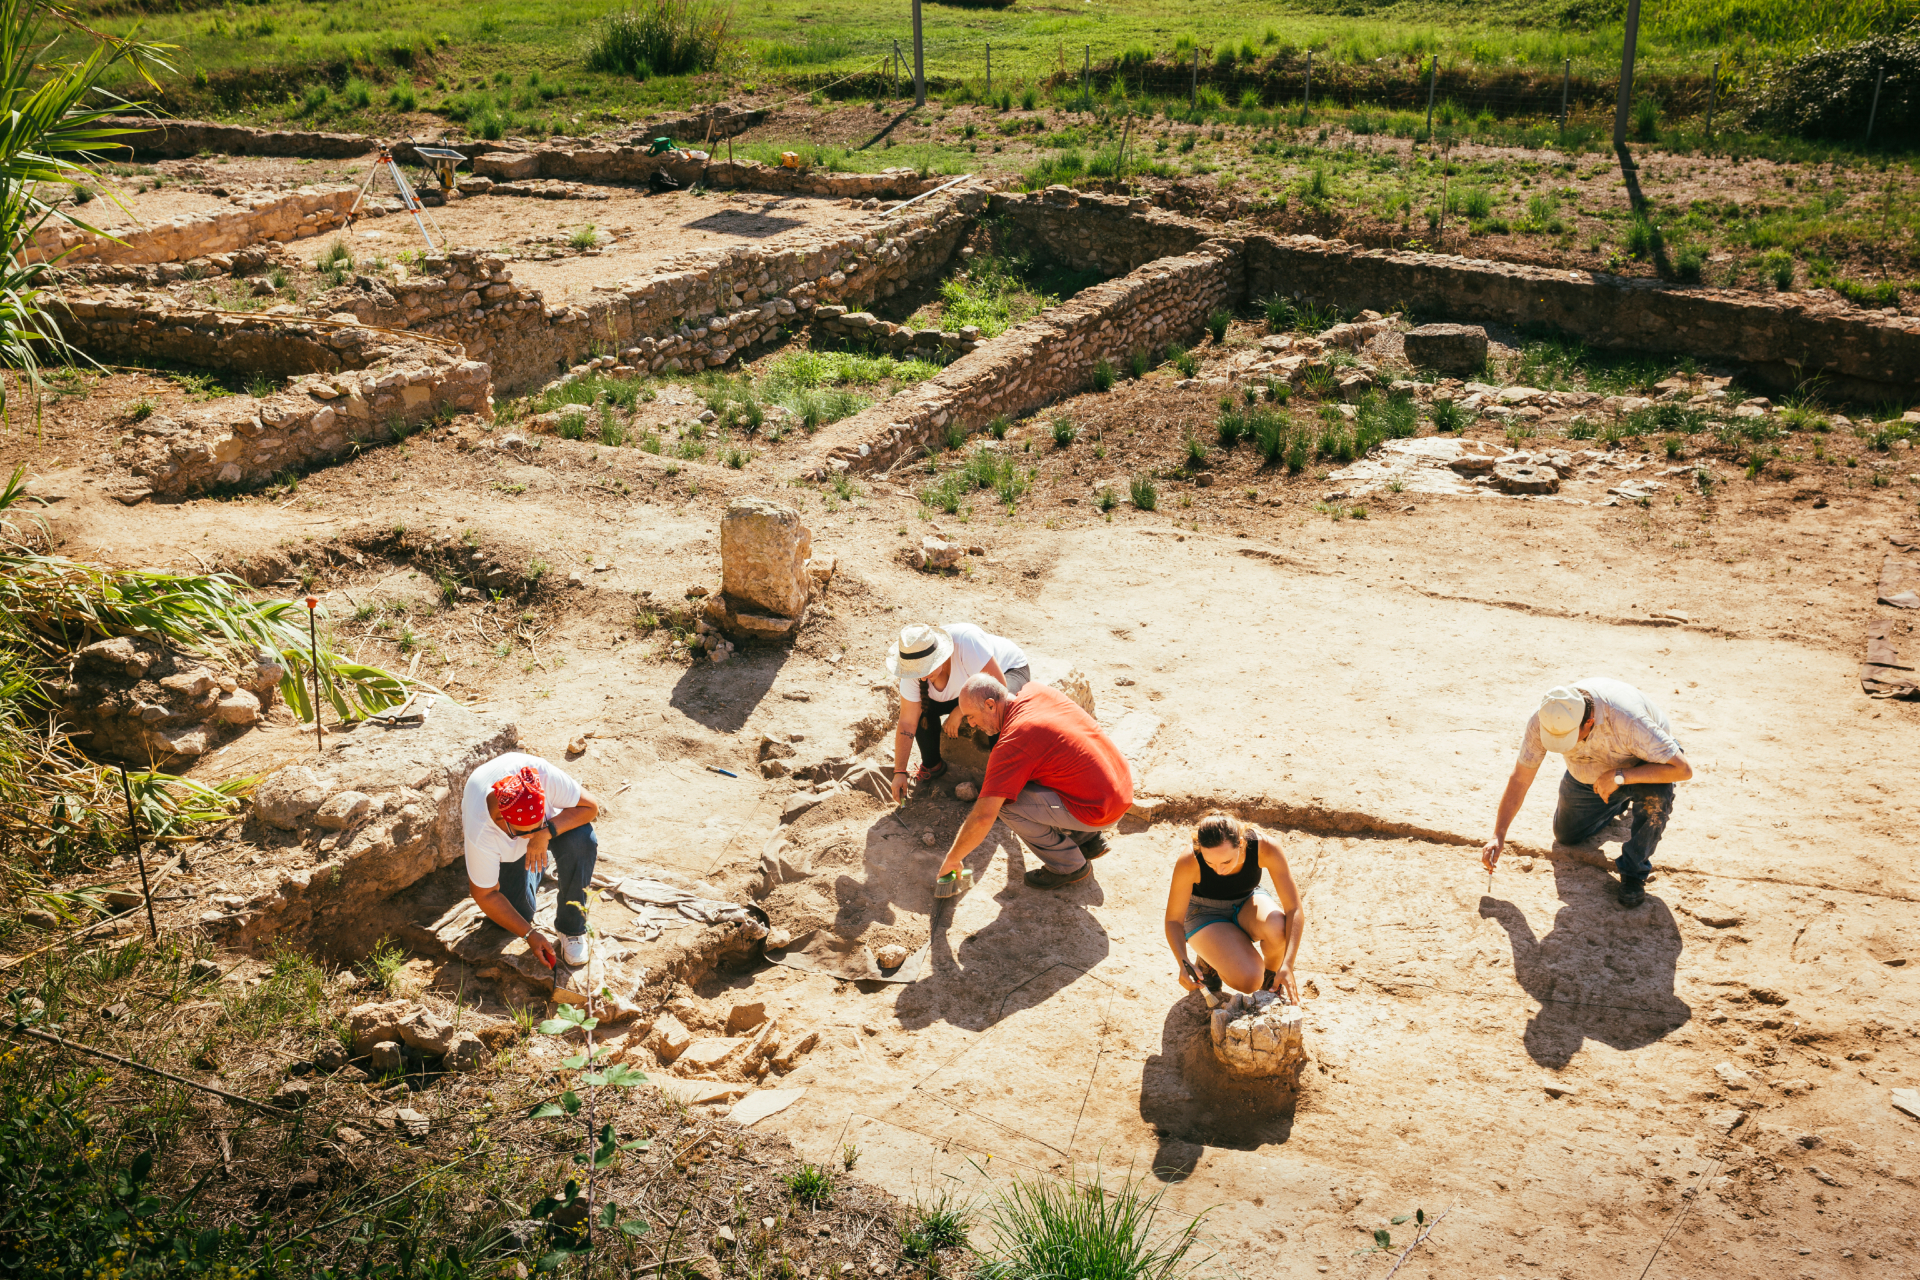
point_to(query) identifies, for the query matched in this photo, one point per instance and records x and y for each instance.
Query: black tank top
(1230, 887)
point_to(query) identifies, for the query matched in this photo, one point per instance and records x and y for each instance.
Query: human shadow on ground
(723, 699)
(1192, 1103)
(1038, 943)
(744, 222)
(1601, 973)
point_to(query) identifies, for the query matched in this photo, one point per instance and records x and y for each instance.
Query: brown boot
(1046, 878)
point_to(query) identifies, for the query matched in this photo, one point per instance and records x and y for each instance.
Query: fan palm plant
(54, 120)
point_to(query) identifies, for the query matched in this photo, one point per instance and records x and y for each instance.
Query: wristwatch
(1619, 780)
(553, 832)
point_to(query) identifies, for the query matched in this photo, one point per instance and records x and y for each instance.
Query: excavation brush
(954, 883)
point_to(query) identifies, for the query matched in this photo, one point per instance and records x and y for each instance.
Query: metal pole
(1874, 110)
(896, 69)
(1566, 75)
(1626, 73)
(1713, 98)
(313, 640)
(1086, 80)
(1193, 89)
(919, 61)
(1433, 79)
(133, 827)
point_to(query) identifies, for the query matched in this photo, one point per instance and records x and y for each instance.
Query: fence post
(989, 71)
(1566, 75)
(1713, 99)
(919, 61)
(896, 70)
(1626, 74)
(1086, 80)
(1306, 100)
(1193, 89)
(1433, 78)
(1874, 110)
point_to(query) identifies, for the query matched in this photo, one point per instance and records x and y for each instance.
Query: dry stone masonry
(254, 220)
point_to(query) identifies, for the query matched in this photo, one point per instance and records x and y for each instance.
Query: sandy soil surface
(1702, 1084)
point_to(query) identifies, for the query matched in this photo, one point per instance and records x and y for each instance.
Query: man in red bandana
(516, 810)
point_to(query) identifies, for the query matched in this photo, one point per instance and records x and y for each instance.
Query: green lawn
(524, 61)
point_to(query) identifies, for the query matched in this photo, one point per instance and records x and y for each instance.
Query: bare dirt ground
(1516, 1049)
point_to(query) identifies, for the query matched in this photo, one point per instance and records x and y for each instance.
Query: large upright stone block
(1257, 1036)
(763, 557)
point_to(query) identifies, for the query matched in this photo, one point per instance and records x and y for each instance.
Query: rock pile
(399, 1034)
(1257, 1036)
(134, 700)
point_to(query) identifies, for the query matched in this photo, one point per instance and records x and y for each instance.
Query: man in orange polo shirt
(1053, 778)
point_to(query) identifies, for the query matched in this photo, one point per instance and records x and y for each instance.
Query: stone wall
(350, 386)
(173, 139)
(695, 312)
(1048, 357)
(1109, 234)
(309, 211)
(867, 331)
(375, 813)
(1779, 339)
(635, 165)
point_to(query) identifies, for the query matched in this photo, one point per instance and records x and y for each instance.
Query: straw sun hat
(920, 652)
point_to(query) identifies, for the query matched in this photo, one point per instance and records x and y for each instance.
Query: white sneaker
(573, 950)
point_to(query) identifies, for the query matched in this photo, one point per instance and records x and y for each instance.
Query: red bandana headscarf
(523, 801)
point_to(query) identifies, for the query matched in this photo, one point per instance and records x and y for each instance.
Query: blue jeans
(574, 854)
(1582, 814)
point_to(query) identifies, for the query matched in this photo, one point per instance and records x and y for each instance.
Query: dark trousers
(1582, 814)
(927, 733)
(573, 854)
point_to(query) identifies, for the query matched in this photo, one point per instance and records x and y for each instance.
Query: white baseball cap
(1561, 713)
(921, 651)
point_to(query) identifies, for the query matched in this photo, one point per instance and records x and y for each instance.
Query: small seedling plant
(572, 1214)
(1383, 1236)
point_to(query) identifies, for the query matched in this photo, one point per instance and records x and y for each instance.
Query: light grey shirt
(1628, 729)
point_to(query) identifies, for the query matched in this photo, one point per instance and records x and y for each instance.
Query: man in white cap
(1620, 754)
(932, 665)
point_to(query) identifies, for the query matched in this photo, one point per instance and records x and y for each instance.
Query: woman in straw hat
(933, 664)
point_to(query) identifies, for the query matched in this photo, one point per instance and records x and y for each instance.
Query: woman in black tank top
(1243, 933)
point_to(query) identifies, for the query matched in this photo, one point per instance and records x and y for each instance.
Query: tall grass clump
(661, 37)
(1044, 1228)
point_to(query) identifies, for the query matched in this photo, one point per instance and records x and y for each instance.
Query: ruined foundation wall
(1782, 339)
(350, 386)
(256, 219)
(635, 165)
(1038, 362)
(694, 314)
(1109, 234)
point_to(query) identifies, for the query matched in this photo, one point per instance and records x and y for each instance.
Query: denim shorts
(1202, 912)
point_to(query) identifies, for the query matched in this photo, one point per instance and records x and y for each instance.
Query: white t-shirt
(1628, 729)
(972, 648)
(487, 845)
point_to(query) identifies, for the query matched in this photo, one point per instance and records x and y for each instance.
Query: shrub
(1217, 325)
(402, 97)
(1145, 496)
(1137, 365)
(1106, 501)
(1828, 93)
(999, 426)
(1103, 375)
(1646, 120)
(1232, 425)
(661, 37)
(810, 1184)
(358, 93)
(1185, 361)
(1643, 237)
(1063, 432)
